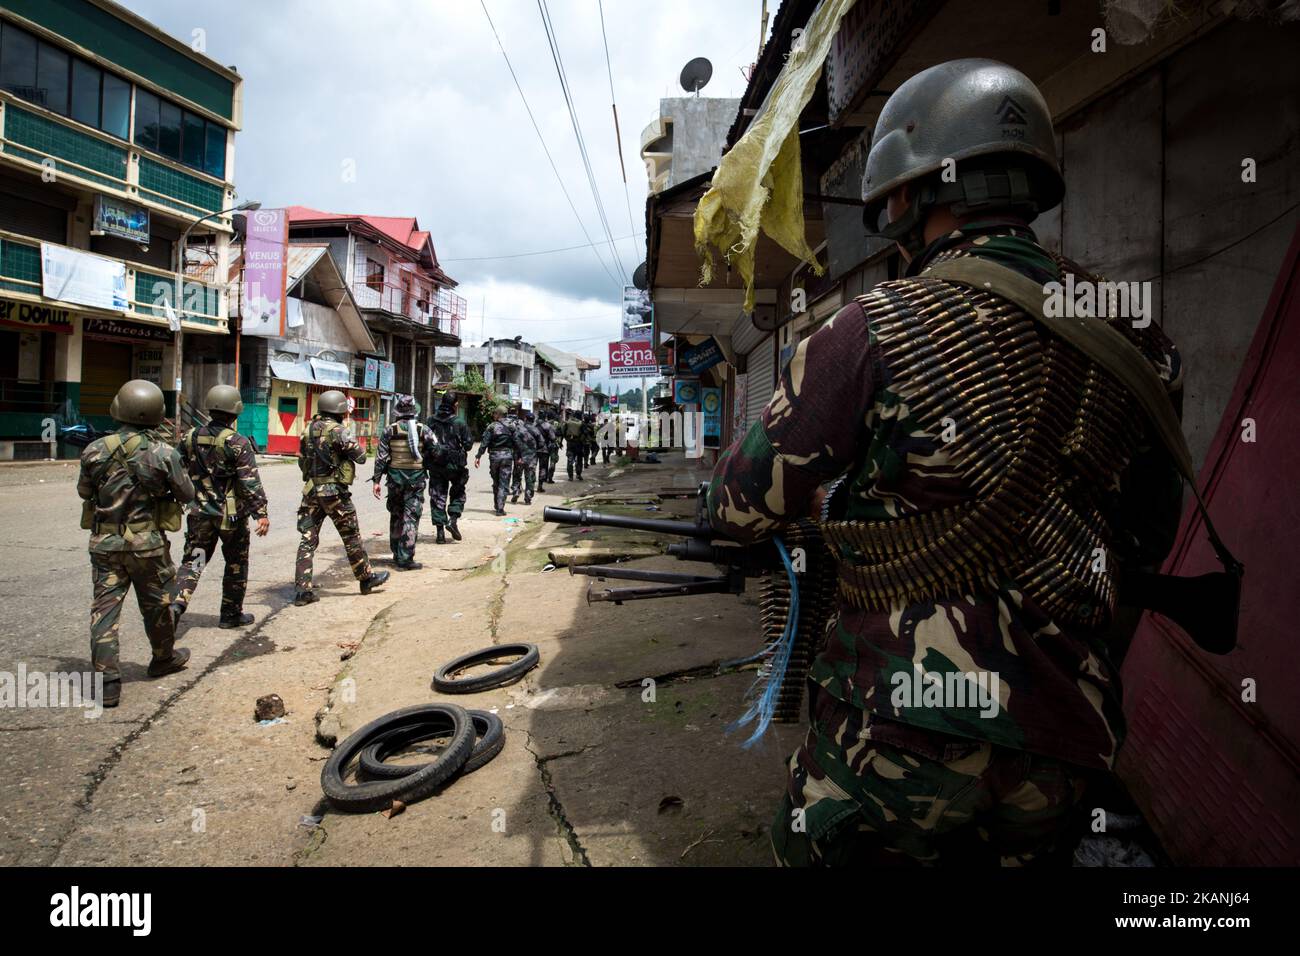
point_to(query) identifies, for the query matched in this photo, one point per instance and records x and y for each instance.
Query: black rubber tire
(491, 738)
(500, 677)
(380, 794)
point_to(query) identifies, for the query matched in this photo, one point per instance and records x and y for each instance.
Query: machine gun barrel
(584, 516)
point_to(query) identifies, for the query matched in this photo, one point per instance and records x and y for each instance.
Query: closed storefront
(760, 379)
(105, 366)
(113, 352)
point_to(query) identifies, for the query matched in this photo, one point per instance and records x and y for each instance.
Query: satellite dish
(639, 277)
(696, 75)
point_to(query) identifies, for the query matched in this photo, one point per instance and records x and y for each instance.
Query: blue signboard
(372, 373)
(703, 356)
(711, 408)
(387, 376)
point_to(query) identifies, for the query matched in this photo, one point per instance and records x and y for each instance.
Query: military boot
(180, 657)
(235, 619)
(455, 531)
(411, 565)
(303, 598)
(112, 695)
(373, 580)
(442, 537)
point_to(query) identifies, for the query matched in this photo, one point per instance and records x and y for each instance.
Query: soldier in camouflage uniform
(543, 453)
(504, 448)
(589, 445)
(525, 465)
(132, 486)
(228, 489)
(449, 479)
(574, 454)
(406, 449)
(966, 513)
(327, 457)
(553, 442)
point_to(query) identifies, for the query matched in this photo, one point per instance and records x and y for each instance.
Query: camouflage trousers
(575, 457)
(112, 574)
(542, 464)
(552, 459)
(202, 532)
(447, 495)
(524, 476)
(311, 515)
(405, 506)
(501, 466)
(868, 791)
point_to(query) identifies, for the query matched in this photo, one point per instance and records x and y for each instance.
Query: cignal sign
(632, 359)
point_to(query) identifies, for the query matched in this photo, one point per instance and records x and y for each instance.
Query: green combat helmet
(332, 402)
(224, 398)
(138, 403)
(980, 119)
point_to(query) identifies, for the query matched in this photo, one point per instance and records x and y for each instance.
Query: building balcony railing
(148, 290)
(443, 312)
(98, 161)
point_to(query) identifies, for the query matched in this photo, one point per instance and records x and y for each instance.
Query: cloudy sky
(415, 97)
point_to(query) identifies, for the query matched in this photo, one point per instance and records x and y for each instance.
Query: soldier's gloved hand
(263, 526)
(375, 488)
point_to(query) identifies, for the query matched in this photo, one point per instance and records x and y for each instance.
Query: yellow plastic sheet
(759, 183)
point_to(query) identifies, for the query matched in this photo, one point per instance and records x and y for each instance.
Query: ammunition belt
(1039, 432)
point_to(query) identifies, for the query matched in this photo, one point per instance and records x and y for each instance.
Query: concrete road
(55, 757)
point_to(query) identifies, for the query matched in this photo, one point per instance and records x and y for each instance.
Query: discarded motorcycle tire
(500, 677)
(488, 726)
(379, 794)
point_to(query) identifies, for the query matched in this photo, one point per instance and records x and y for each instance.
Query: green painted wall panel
(95, 29)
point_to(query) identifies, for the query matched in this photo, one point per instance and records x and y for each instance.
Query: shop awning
(292, 372)
(331, 373)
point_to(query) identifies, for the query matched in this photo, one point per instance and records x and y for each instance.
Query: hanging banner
(70, 275)
(632, 360)
(638, 314)
(686, 391)
(387, 377)
(372, 374)
(707, 354)
(265, 271)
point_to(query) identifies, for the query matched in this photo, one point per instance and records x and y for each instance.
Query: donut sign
(632, 360)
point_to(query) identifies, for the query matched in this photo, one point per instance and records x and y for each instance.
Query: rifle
(814, 590)
(1204, 607)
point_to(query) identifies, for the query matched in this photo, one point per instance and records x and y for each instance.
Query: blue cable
(764, 707)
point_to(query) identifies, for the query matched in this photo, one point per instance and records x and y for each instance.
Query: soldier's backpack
(319, 464)
(166, 511)
(230, 510)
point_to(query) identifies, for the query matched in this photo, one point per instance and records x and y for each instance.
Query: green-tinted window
(18, 62)
(52, 70)
(214, 156)
(169, 129)
(192, 141)
(146, 119)
(85, 93)
(117, 106)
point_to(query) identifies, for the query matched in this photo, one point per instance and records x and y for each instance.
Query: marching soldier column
(134, 485)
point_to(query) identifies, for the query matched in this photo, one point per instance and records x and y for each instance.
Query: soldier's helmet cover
(988, 119)
(138, 402)
(332, 402)
(406, 406)
(224, 398)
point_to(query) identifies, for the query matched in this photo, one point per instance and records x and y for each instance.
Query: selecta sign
(632, 360)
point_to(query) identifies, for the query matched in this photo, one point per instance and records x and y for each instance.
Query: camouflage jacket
(217, 470)
(395, 457)
(500, 439)
(453, 434)
(833, 414)
(524, 435)
(127, 496)
(326, 448)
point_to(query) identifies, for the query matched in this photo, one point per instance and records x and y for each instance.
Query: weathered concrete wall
(700, 125)
(1155, 191)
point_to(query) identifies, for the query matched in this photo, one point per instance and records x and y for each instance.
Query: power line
(558, 59)
(613, 103)
(545, 149)
(540, 252)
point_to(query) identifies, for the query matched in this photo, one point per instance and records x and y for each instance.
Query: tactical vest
(166, 512)
(223, 480)
(1029, 438)
(400, 455)
(322, 466)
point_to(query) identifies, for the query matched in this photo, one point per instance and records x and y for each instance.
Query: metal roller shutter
(760, 381)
